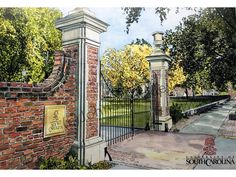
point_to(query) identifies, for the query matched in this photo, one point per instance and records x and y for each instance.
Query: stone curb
(204, 108)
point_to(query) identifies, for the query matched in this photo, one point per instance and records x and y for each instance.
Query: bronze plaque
(54, 122)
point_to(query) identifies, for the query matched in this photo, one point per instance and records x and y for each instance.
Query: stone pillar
(159, 65)
(80, 36)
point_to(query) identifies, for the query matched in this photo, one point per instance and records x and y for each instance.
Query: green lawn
(117, 111)
(190, 103)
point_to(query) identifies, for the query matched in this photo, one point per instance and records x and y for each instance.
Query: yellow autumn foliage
(127, 67)
(176, 77)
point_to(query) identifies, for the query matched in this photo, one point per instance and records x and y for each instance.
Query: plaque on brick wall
(54, 121)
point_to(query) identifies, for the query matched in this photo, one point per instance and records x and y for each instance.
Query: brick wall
(22, 116)
(92, 92)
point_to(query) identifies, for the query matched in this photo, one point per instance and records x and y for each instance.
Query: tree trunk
(186, 91)
(193, 90)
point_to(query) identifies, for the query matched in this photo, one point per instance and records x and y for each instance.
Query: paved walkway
(159, 150)
(211, 121)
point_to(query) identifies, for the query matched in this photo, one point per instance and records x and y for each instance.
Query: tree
(28, 39)
(186, 50)
(140, 42)
(205, 43)
(127, 68)
(223, 68)
(134, 13)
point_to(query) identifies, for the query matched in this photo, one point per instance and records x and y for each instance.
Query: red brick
(16, 115)
(38, 149)
(3, 84)
(16, 145)
(4, 115)
(20, 148)
(28, 151)
(3, 165)
(4, 147)
(2, 121)
(14, 135)
(26, 85)
(19, 103)
(8, 130)
(28, 159)
(23, 109)
(18, 154)
(12, 141)
(49, 103)
(30, 136)
(37, 122)
(36, 108)
(8, 151)
(33, 146)
(26, 123)
(3, 104)
(14, 163)
(27, 143)
(11, 110)
(18, 139)
(38, 113)
(16, 84)
(28, 114)
(26, 133)
(4, 157)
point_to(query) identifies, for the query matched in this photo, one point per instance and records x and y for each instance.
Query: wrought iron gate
(121, 115)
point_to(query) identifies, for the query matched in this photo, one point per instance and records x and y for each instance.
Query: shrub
(55, 163)
(100, 165)
(175, 112)
(69, 162)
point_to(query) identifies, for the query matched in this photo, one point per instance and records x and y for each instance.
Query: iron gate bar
(132, 113)
(120, 114)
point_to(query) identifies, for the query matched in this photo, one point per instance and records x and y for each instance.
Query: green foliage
(202, 46)
(69, 162)
(175, 112)
(28, 39)
(133, 14)
(52, 163)
(100, 165)
(141, 42)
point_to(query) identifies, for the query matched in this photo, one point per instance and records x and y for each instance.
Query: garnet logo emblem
(209, 146)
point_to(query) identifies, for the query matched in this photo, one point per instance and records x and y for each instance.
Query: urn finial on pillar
(158, 41)
(82, 10)
(159, 65)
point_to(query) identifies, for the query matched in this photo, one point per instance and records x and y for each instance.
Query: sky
(117, 38)
(110, 12)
